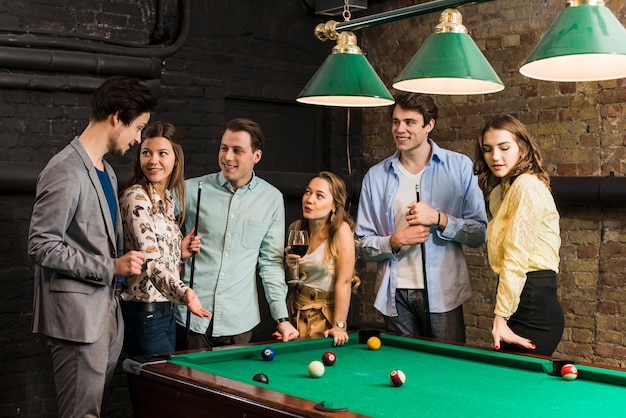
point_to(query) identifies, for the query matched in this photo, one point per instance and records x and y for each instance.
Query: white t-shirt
(410, 270)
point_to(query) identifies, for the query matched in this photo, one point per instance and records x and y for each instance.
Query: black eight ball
(260, 377)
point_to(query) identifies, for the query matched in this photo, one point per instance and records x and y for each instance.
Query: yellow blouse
(523, 236)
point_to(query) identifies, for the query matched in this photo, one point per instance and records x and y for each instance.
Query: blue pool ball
(268, 353)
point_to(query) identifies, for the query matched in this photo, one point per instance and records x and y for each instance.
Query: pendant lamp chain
(346, 11)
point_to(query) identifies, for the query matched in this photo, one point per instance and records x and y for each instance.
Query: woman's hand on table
(502, 332)
(340, 336)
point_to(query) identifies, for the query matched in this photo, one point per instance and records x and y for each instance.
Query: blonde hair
(335, 218)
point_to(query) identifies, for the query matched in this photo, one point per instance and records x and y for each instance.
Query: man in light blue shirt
(242, 224)
(421, 296)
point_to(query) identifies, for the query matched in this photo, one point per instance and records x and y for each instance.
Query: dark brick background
(252, 58)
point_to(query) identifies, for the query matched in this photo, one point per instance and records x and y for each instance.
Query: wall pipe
(607, 191)
(103, 46)
(81, 56)
(78, 62)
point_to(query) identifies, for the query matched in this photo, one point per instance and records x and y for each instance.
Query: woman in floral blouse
(523, 237)
(147, 209)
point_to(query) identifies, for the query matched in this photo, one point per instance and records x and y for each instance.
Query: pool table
(442, 380)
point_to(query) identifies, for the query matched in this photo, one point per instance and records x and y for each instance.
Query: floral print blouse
(153, 231)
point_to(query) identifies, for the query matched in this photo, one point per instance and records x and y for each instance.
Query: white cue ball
(316, 368)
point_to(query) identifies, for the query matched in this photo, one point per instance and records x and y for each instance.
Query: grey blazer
(73, 245)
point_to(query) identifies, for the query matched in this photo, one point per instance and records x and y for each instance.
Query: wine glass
(298, 241)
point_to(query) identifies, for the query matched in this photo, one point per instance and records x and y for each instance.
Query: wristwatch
(340, 324)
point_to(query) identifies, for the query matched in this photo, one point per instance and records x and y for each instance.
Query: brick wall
(241, 48)
(255, 49)
(580, 127)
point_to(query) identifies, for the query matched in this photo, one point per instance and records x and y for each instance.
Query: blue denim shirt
(449, 185)
(242, 231)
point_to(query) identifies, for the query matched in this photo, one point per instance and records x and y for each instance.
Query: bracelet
(281, 320)
(438, 218)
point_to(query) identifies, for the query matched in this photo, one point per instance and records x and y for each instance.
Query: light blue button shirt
(242, 231)
(448, 185)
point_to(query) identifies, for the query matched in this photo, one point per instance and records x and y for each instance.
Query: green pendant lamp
(585, 43)
(346, 79)
(449, 62)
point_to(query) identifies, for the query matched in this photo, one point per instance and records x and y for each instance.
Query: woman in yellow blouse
(523, 238)
(147, 209)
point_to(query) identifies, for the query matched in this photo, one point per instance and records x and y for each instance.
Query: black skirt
(539, 316)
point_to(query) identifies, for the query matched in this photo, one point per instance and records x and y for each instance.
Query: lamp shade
(585, 43)
(346, 79)
(449, 63)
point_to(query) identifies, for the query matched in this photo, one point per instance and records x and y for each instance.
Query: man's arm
(271, 259)
(372, 229)
(63, 238)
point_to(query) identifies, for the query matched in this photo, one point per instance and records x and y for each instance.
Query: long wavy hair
(530, 161)
(336, 217)
(176, 181)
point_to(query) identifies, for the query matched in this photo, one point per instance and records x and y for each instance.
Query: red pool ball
(397, 377)
(329, 358)
(569, 372)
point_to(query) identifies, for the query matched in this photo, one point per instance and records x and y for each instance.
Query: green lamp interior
(449, 63)
(585, 43)
(346, 80)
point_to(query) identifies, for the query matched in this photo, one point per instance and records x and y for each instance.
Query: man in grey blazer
(76, 242)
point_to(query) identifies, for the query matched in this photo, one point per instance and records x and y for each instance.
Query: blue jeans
(411, 319)
(147, 333)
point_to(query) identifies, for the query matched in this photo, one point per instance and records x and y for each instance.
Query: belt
(149, 306)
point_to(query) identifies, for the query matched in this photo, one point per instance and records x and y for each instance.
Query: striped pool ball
(569, 372)
(397, 377)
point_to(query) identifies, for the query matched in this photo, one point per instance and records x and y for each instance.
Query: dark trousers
(539, 315)
(411, 319)
(147, 333)
(207, 340)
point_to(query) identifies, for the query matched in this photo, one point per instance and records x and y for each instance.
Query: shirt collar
(226, 184)
(435, 156)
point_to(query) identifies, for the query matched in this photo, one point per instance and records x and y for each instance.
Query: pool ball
(373, 343)
(260, 377)
(268, 353)
(329, 358)
(569, 372)
(397, 377)
(316, 368)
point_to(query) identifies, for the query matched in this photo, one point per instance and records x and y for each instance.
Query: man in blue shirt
(394, 227)
(242, 223)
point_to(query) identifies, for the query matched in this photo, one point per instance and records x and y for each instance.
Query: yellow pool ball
(373, 343)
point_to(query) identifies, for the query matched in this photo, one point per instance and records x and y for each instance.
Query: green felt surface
(442, 380)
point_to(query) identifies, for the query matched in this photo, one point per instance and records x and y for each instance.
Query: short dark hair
(257, 139)
(417, 102)
(126, 97)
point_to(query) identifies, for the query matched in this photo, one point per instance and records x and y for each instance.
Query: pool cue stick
(193, 263)
(429, 331)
